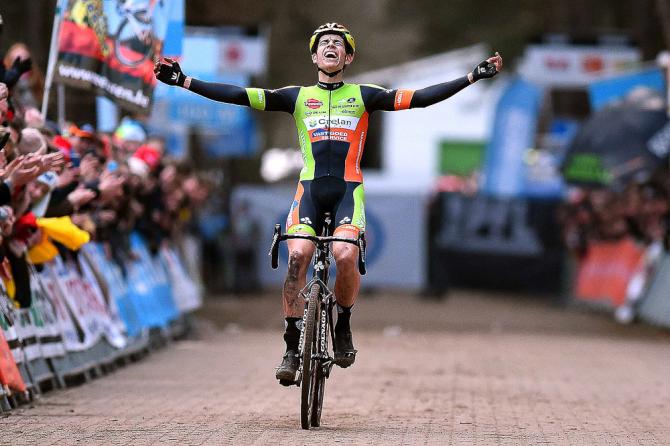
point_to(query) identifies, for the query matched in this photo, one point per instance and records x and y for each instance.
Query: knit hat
(145, 159)
(130, 130)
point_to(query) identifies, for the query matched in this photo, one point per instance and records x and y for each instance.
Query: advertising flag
(111, 45)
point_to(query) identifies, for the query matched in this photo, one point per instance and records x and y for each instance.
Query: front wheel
(317, 401)
(309, 365)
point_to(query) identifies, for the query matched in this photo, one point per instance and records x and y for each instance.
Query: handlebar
(319, 241)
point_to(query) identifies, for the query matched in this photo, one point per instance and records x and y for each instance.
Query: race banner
(111, 45)
(117, 288)
(108, 314)
(606, 270)
(73, 334)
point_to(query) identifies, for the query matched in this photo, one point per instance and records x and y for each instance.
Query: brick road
(475, 369)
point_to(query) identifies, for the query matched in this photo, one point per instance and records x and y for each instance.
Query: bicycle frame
(315, 360)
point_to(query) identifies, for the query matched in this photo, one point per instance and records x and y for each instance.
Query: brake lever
(361, 253)
(274, 249)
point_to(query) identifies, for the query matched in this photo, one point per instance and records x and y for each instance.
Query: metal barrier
(87, 318)
(654, 307)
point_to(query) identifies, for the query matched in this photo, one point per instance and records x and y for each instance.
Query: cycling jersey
(332, 119)
(332, 122)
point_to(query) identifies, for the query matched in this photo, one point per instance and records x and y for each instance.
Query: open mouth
(330, 55)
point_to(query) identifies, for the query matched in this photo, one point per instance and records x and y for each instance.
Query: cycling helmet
(333, 28)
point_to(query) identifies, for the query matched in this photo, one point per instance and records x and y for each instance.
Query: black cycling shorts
(345, 200)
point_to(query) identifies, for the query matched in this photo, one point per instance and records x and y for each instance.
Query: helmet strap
(334, 73)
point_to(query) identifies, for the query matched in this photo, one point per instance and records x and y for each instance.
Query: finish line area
(476, 368)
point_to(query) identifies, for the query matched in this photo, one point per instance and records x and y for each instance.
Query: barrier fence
(631, 279)
(89, 314)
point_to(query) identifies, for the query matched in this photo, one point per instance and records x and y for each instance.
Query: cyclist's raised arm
(282, 99)
(377, 98)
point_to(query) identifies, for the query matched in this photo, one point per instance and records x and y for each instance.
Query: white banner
(186, 293)
(107, 314)
(73, 335)
(575, 65)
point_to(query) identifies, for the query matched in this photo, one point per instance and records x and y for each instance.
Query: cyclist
(332, 120)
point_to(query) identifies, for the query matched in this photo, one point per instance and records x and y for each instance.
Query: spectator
(26, 80)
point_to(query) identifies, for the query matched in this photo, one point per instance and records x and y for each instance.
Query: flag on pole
(111, 45)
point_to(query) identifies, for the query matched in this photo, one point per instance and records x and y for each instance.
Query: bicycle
(316, 362)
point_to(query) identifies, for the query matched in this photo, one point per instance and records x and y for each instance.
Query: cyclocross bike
(316, 361)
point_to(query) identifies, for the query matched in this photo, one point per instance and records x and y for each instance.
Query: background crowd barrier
(654, 308)
(630, 279)
(89, 314)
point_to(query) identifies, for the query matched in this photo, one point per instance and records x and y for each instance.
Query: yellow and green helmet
(332, 28)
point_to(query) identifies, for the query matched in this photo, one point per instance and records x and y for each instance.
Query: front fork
(324, 327)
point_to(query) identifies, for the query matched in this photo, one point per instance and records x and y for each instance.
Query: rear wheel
(309, 365)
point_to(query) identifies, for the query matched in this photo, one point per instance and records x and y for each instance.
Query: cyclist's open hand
(487, 68)
(168, 71)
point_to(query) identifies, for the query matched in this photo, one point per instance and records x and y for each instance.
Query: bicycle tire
(317, 402)
(306, 380)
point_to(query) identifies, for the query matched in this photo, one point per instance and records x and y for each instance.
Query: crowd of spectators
(109, 184)
(641, 211)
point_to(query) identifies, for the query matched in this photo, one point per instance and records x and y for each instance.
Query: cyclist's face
(331, 54)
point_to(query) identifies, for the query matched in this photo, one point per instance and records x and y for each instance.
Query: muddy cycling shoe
(288, 369)
(345, 354)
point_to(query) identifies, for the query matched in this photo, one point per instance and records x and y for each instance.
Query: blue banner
(513, 135)
(224, 129)
(603, 92)
(174, 35)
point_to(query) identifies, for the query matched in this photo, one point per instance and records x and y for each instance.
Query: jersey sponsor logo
(321, 133)
(398, 98)
(261, 96)
(335, 121)
(333, 135)
(403, 99)
(345, 101)
(360, 152)
(313, 103)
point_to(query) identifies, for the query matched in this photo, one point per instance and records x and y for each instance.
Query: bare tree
(663, 8)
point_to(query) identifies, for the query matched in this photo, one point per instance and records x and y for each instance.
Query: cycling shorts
(345, 200)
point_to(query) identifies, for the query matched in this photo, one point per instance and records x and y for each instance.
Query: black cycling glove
(484, 70)
(170, 73)
(14, 72)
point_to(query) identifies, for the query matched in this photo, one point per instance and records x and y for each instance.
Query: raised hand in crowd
(68, 176)
(89, 168)
(80, 197)
(21, 171)
(52, 162)
(19, 67)
(111, 187)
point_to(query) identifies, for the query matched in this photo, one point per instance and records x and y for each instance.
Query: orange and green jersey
(331, 118)
(332, 122)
